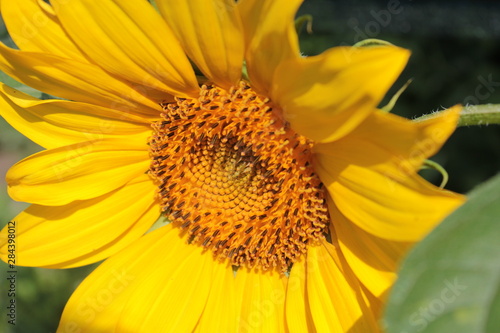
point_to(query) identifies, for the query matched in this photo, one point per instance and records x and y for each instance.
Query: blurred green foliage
(450, 281)
(452, 51)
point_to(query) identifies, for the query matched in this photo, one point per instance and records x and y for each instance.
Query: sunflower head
(289, 172)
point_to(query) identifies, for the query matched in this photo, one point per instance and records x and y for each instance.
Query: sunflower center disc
(234, 175)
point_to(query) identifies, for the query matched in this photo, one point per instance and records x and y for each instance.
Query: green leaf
(450, 282)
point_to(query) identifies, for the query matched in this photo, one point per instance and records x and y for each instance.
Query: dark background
(455, 47)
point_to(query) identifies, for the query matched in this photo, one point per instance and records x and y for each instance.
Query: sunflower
(290, 197)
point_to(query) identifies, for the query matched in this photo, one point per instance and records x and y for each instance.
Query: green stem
(486, 114)
(428, 164)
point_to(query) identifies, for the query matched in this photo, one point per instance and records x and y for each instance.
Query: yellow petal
(335, 296)
(158, 284)
(298, 314)
(83, 232)
(270, 38)
(374, 260)
(220, 313)
(172, 293)
(56, 123)
(34, 28)
(77, 172)
(326, 96)
(371, 176)
(398, 143)
(402, 211)
(376, 304)
(74, 80)
(97, 303)
(130, 40)
(211, 33)
(261, 300)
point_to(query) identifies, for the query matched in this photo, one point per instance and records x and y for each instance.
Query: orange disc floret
(232, 172)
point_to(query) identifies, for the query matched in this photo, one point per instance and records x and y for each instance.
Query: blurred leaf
(450, 282)
(4, 35)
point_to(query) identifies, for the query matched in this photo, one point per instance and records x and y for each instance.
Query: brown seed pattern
(233, 173)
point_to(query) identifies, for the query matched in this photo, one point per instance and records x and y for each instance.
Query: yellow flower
(291, 197)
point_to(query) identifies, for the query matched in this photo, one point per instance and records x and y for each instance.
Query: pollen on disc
(233, 174)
